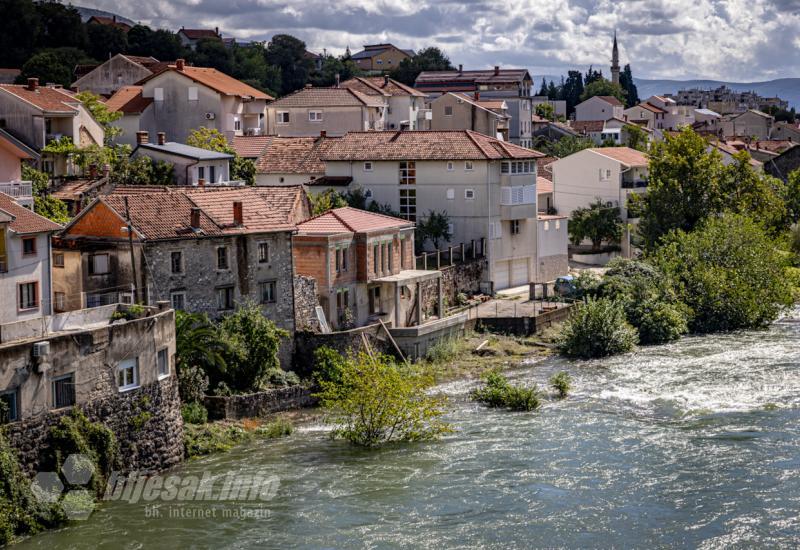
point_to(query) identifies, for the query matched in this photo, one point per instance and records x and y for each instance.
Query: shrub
(597, 328)
(499, 393)
(597, 223)
(328, 365)
(277, 428)
(376, 402)
(443, 351)
(280, 377)
(212, 438)
(660, 322)
(192, 383)
(562, 383)
(194, 413)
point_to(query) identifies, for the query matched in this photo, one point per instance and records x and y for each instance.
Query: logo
(70, 490)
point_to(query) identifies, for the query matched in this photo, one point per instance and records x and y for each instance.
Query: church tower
(615, 61)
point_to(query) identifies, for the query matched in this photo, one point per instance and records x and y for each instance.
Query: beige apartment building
(460, 111)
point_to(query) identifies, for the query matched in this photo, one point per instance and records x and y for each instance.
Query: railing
(635, 184)
(519, 194)
(17, 189)
(451, 255)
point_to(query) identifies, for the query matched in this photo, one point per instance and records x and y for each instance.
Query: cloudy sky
(734, 40)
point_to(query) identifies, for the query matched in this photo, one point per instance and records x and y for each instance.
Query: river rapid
(690, 445)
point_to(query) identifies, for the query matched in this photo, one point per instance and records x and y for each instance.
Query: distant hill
(784, 88)
(86, 13)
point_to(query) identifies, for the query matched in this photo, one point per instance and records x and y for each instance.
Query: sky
(733, 40)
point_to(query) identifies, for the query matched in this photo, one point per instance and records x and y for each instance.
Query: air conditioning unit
(41, 349)
(210, 116)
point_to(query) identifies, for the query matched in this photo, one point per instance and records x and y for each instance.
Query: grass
(222, 436)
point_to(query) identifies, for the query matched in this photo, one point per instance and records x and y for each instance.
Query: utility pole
(130, 247)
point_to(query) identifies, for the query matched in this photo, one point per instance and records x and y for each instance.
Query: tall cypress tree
(626, 81)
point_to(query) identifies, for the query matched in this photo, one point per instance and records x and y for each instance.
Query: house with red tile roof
(25, 263)
(364, 266)
(12, 154)
(185, 98)
(204, 249)
(486, 186)
(380, 57)
(113, 74)
(190, 37)
(108, 21)
(285, 160)
(405, 105)
(461, 111)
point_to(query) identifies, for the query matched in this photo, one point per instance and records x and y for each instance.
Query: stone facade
(464, 277)
(256, 405)
(345, 342)
(305, 304)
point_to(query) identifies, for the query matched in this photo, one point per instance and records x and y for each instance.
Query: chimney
(179, 64)
(106, 170)
(162, 138)
(386, 80)
(93, 171)
(337, 79)
(460, 68)
(33, 83)
(216, 31)
(496, 70)
(477, 95)
(323, 133)
(201, 182)
(194, 221)
(142, 137)
(238, 213)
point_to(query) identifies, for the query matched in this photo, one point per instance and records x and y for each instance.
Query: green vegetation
(603, 87)
(100, 112)
(435, 227)
(43, 203)
(275, 429)
(561, 383)
(378, 401)
(597, 223)
(221, 437)
(426, 59)
(329, 365)
(194, 413)
(546, 111)
(597, 328)
(214, 140)
(563, 147)
(497, 392)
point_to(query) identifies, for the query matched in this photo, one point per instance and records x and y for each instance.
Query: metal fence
(452, 255)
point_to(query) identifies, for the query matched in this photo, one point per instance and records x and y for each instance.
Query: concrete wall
(285, 179)
(25, 269)
(403, 110)
(112, 75)
(577, 182)
(336, 121)
(466, 116)
(595, 108)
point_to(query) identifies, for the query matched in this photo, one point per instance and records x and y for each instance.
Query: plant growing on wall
(597, 223)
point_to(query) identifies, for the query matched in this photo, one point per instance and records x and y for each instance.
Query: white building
(599, 107)
(191, 165)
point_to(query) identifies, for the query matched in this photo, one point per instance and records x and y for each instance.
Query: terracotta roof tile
(587, 126)
(197, 34)
(129, 100)
(378, 85)
(543, 185)
(329, 97)
(250, 146)
(351, 220)
(544, 168)
(294, 155)
(612, 100)
(53, 100)
(25, 221)
(625, 155)
(214, 79)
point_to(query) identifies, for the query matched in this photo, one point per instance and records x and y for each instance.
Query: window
(58, 259)
(376, 257)
(408, 204)
(29, 246)
(504, 168)
(384, 258)
(547, 226)
(212, 174)
(222, 257)
(237, 124)
(451, 194)
(28, 295)
(448, 110)
(367, 167)
(468, 166)
(558, 225)
(375, 300)
(514, 227)
(11, 400)
(201, 172)
(225, 298)
(59, 299)
(178, 300)
(389, 254)
(283, 117)
(162, 363)
(341, 259)
(469, 194)
(263, 252)
(315, 116)
(193, 93)
(408, 173)
(176, 261)
(158, 94)
(128, 374)
(605, 174)
(266, 291)
(449, 166)
(64, 391)
(126, 297)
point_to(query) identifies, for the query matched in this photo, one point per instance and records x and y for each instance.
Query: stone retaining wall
(345, 342)
(254, 405)
(457, 278)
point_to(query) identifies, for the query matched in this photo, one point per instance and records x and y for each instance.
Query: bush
(660, 322)
(275, 429)
(377, 402)
(562, 383)
(597, 328)
(280, 377)
(328, 365)
(194, 413)
(192, 383)
(212, 438)
(499, 393)
(443, 351)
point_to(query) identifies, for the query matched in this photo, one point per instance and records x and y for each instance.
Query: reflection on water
(694, 444)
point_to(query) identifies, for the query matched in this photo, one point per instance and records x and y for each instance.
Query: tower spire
(615, 61)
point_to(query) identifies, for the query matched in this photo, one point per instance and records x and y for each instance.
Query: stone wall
(345, 342)
(465, 277)
(305, 303)
(147, 423)
(255, 405)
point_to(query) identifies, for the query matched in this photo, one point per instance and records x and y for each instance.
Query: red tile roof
(197, 34)
(650, 107)
(378, 85)
(351, 220)
(612, 100)
(625, 155)
(250, 147)
(294, 155)
(214, 79)
(543, 185)
(25, 221)
(587, 126)
(424, 145)
(129, 100)
(110, 21)
(329, 97)
(44, 98)
(544, 167)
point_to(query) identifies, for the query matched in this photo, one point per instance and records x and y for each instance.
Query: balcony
(634, 184)
(518, 202)
(17, 189)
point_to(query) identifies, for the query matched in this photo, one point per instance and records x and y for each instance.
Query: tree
(331, 67)
(636, 137)
(603, 87)
(43, 203)
(728, 272)
(213, 140)
(288, 54)
(597, 223)
(597, 328)
(162, 44)
(435, 228)
(197, 342)
(101, 114)
(48, 67)
(591, 76)
(552, 91)
(142, 171)
(543, 90)
(626, 81)
(18, 40)
(791, 196)
(374, 401)
(565, 146)
(61, 26)
(325, 201)
(428, 59)
(546, 111)
(106, 41)
(754, 193)
(213, 53)
(572, 90)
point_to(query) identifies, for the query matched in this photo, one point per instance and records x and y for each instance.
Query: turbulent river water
(690, 445)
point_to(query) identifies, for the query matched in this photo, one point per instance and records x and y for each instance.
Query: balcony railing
(519, 194)
(634, 184)
(17, 189)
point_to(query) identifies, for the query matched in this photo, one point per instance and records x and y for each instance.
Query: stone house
(486, 186)
(380, 57)
(335, 111)
(191, 165)
(115, 73)
(405, 105)
(204, 249)
(459, 111)
(113, 371)
(364, 266)
(784, 164)
(787, 131)
(599, 108)
(25, 272)
(185, 98)
(285, 160)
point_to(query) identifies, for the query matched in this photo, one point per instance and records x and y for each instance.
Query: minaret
(615, 61)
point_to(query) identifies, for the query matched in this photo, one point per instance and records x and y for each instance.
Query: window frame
(123, 367)
(227, 266)
(469, 166)
(446, 108)
(58, 255)
(91, 264)
(265, 258)
(25, 242)
(227, 306)
(368, 167)
(282, 117)
(14, 393)
(56, 380)
(315, 115)
(166, 372)
(37, 297)
(469, 194)
(173, 294)
(264, 285)
(514, 227)
(172, 262)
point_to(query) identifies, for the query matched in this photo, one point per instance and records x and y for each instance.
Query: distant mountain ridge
(784, 88)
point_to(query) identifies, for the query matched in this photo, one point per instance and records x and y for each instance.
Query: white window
(237, 124)
(283, 117)
(558, 225)
(315, 116)
(469, 194)
(98, 264)
(178, 300)
(605, 174)
(451, 194)
(158, 94)
(28, 296)
(128, 374)
(162, 363)
(193, 93)
(468, 166)
(449, 166)
(448, 110)
(367, 167)
(263, 252)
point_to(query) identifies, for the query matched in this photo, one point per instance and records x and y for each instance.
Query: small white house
(599, 107)
(193, 165)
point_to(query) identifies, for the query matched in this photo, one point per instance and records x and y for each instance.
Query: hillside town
(183, 242)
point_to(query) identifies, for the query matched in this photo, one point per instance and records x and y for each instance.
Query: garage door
(519, 272)
(500, 275)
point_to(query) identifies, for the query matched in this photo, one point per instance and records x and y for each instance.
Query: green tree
(106, 41)
(564, 147)
(213, 140)
(435, 228)
(603, 87)
(626, 82)
(572, 90)
(597, 328)
(597, 223)
(288, 54)
(18, 40)
(728, 272)
(48, 67)
(61, 26)
(327, 200)
(213, 53)
(142, 171)
(101, 114)
(746, 191)
(592, 75)
(428, 59)
(546, 111)
(375, 401)
(791, 196)
(45, 204)
(161, 44)
(498, 392)
(198, 344)
(333, 66)
(636, 138)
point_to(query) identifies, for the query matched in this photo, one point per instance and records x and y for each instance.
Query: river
(690, 445)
